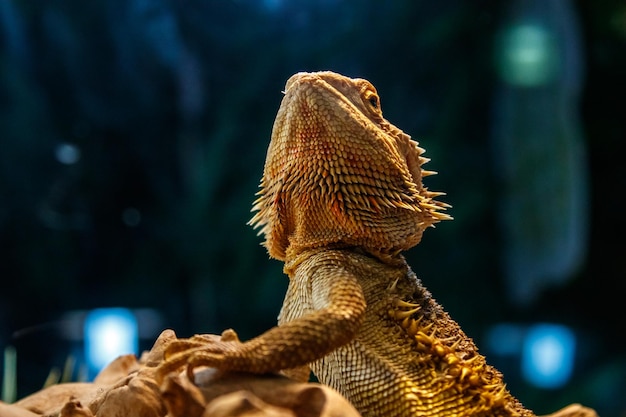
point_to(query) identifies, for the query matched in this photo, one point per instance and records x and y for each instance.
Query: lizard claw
(196, 351)
(203, 358)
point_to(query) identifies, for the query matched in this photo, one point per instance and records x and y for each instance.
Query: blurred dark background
(133, 136)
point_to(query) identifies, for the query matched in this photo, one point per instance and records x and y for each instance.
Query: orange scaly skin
(341, 197)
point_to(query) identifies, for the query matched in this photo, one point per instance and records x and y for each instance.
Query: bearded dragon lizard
(340, 198)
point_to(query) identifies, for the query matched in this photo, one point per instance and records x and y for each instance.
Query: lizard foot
(196, 351)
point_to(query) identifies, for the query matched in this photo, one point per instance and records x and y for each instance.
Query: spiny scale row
(467, 374)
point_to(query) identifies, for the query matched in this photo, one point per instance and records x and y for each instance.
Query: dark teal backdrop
(133, 135)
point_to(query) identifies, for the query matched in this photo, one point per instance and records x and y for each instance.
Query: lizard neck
(295, 258)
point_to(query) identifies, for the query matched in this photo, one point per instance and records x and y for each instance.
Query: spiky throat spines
(338, 172)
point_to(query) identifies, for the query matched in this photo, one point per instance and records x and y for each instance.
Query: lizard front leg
(293, 344)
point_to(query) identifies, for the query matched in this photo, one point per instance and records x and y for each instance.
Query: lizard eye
(372, 99)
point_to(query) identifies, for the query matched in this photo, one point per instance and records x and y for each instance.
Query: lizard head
(338, 174)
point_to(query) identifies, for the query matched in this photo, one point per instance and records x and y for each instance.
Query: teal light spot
(527, 56)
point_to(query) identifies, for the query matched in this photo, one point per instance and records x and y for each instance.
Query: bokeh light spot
(67, 154)
(527, 56)
(548, 355)
(131, 217)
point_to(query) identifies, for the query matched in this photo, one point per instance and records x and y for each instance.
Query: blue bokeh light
(67, 153)
(109, 333)
(548, 355)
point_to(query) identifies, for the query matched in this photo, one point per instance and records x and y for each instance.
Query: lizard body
(407, 351)
(341, 197)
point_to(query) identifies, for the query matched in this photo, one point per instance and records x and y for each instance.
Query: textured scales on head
(338, 173)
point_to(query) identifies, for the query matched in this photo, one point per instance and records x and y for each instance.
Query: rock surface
(129, 387)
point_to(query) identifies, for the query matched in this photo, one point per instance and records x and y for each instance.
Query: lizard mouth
(296, 78)
(308, 78)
